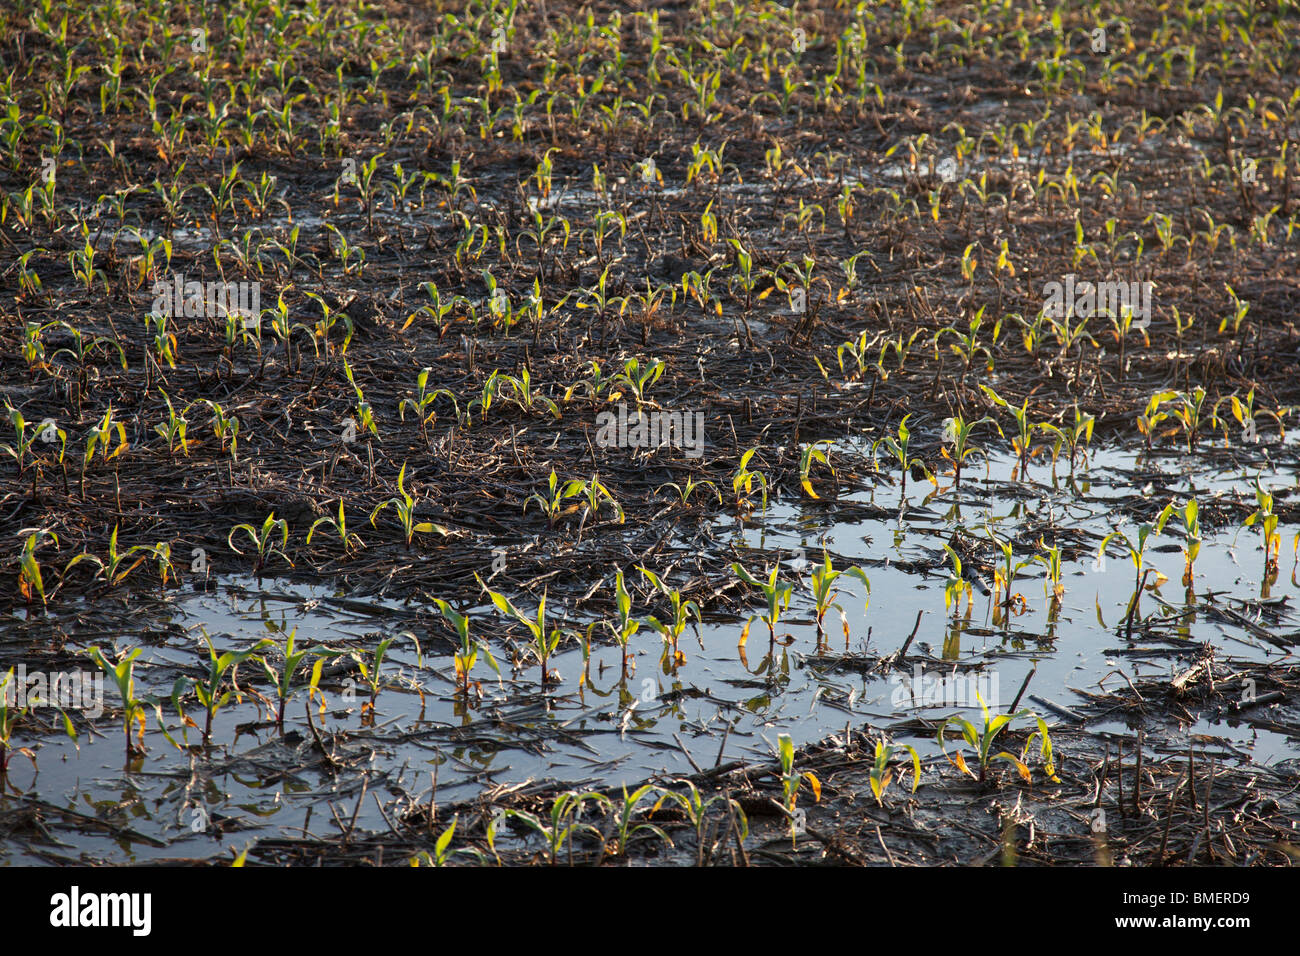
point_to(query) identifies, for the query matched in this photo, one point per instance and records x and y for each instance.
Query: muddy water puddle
(722, 702)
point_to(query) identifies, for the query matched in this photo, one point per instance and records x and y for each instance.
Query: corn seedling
(465, 658)
(11, 714)
(625, 825)
(1004, 576)
(811, 453)
(564, 820)
(211, 691)
(1152, 416)
(442, 851)
(1022, 439)
(899, 449)
(982, 739)
(744, 479)
(595, 494)
(1072, 436)
(1190, 514)
(956, 585)
(370, 668)
(422, 403)
(541, 643)
(263, 540)
(1188, 413)
(778, 599)
(1136, 552)
(956, 432)
(684, 492)
(821, 582)
(122, 675)
(1050, 559)
(1266, 519)
(882, 774)
(552, 503)
(30, 582)
(697, 808)
(225, 428)
(791, 781)
(638, 379)
(625, 626)
(682, 612)
(282, 680)
(404, 504)
(339, 525)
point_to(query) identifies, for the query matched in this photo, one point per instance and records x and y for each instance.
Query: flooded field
(595, 727)
(723, 433)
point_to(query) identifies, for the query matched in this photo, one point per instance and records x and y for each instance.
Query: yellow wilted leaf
(744, 634)
(960, 763)
(807, 486)
(815, 784)
(1023, 770)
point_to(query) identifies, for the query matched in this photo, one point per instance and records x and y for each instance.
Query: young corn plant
(263, 540)
(982, 739)
(1022, 440)
(821, 582)
(552, 503)
(811, 453)
(442, 851)
(1004, 575)
(671, 631)
(370, 670)
(595, 494)
(899, 449)
(225, 428)
(791, 781)
(339, 525)
(542, 643)
(101, 439)
(404, 505)
(956, 585)
(956, 432)
(1050, 559)
(122, 675)
(11, 714)
(1072, 437)
(422, 404)
(283, 680)
(1137, 554)
(174, 429)
(697, 809)
(777, 594)
(1188, 414)
(744, 480)
(1266, 519)
(1152, 415)
(212, 691)
(684, 492)
(1190, 515)
(882, 774)
(466, 657)
(30, 582)
(625, 826)
(1246, 414)
(638, 379)
(564, 820)
(521, 393)
(112, 570)
(625, 626)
